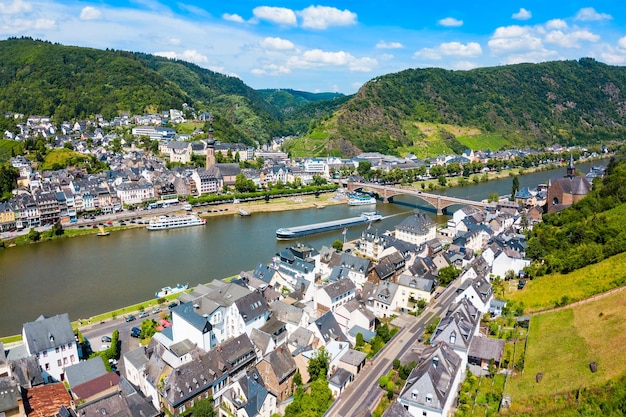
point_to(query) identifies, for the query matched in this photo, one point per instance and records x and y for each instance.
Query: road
(94, 332)
(364, 392)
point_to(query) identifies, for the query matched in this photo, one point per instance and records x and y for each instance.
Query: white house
(416, 229)
(333, 295)
(52, 340)
(478, 291)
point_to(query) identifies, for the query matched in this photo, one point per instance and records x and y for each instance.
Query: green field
(544, 292)
(484, 141)
(60, 158)
(563, 343)
(9, 148)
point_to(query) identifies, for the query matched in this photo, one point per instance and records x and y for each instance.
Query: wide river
(87, 275)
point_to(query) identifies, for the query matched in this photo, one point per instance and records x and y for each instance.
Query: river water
(87, 275)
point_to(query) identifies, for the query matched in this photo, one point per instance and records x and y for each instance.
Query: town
(308, 317)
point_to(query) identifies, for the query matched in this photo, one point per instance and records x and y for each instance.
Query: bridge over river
(440, 202)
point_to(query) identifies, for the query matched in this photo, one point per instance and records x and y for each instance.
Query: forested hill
(569, 102)
(68, 82)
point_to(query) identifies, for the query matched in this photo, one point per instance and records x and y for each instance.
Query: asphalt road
(364, 392)
(94, 332)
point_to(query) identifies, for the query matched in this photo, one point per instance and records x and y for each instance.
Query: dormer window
(429, 398)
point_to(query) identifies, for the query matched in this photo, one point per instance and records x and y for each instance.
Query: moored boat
(310, 229)
(174, 222)
(361, 200)
(169, 290)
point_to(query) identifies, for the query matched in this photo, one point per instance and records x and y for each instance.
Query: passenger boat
(310, 229)
(103, 232)
(243, 212)
(361, 200)
(169, 290)
(174, 222)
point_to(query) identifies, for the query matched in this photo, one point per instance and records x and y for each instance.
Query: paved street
(364, 392)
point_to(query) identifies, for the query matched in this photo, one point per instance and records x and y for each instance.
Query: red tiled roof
(93, 387)
(46, 400)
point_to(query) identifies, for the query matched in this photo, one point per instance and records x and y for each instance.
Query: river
(87, 275)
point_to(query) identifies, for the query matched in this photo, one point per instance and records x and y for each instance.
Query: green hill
(423, 110)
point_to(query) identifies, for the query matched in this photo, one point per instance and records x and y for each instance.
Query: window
(59, 362)
(47, 367)
(56, 349)
(64, 361)
(72, 358)
(45, 354)
(181, 409)
(62, 348)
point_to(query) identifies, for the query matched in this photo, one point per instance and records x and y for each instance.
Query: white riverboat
(361, 200)
(175, 222)
(169, 290)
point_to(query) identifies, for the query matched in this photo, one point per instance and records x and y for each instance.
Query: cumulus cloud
(321, 17)
(571, 40)
(15, 7)
(389, 45)
(279, 15)
(232, 18)
(90, 13)
(509, 39)
(450, 22)
(556, 24)
(471, 49)
(464, 65)
(317, 58)
(589, 13)
(277, 44)
(271, 69)
(190, 55)
(523, 14)
(622, 42)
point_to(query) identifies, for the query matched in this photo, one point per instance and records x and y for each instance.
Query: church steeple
(571, 170)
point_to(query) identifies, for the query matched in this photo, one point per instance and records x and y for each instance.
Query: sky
(330, 45)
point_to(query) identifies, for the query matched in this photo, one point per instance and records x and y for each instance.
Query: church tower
(210, 146)
(571, 170)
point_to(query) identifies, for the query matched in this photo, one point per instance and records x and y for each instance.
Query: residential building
(417, 229)
(277, 370)
(333, 295)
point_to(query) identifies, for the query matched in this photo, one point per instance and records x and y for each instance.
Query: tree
(514, 187)
(447, 275)
(493, 198)
(33, 235)
(8, 181)
(364, 169)
(338, 245)
(202, 408)
(359, 341)
(57, 229)
(318, 364)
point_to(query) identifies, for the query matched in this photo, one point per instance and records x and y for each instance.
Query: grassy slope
(543, 292)
(562, 343)
(59, 156)
(5, 149)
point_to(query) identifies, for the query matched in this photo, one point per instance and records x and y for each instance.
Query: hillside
(68, 82)
(420, 110)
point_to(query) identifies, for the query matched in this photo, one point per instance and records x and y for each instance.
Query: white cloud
(271, 69)
(464, 65)
(523, 14)
(232, 18)
(570, 40)
(389, 45)
(174, 41)
(317, 58)
(531, 56)
(509, 39)
(279, 15)
(277, 43)
(556, 24)
(450, 22)
(90, 13)
(321, 17)
(589, 13)
(471, 49)
(622, 42)
(428, 53)
(385, 57)
(190, 55)
(15, 7)
(44, 24)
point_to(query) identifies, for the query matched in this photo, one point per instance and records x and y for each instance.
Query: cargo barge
(310, 229)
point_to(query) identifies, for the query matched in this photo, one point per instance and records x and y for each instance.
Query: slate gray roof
(260, 339)
(353, 357)
(419, 283)
(253, 391)
(430, 383)
(339, 288)
(126, 402)
(26, 371)
(354, 263)
(238, 351)
(264, 272)
(9, 394)
(188, 313)
(287, 313)
(182, 348)
(340, 377)
(282, 363)
(486, 348)
(48, 333)
(396, 410)
(386, 292)
(252, 306)
(418, 223)
(85, 371)
(137, 357)
(329, 328)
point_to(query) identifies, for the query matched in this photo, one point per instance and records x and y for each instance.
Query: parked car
(135, 332)
(143, 314)
(104, 347)
(172, 304)
(156, 310)
(129, 318)
(106, 339)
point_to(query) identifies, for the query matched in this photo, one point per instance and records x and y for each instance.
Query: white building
(52, 340)
(416, 229)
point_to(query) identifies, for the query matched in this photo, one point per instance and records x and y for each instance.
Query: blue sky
(331, 45)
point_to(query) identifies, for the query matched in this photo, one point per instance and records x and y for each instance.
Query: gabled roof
(339, 288)
(431, 382)
(419, 283)
(282, 363)
(238, 351)
(97, 385)
(125, 402)
(48, 333)
(418, 223)
(396, 410)
(354, 263)
(329, 328)
(486, 348)
(9, 394)
(85, 371)
(252, 306)
(340, 377)
(287, 313)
